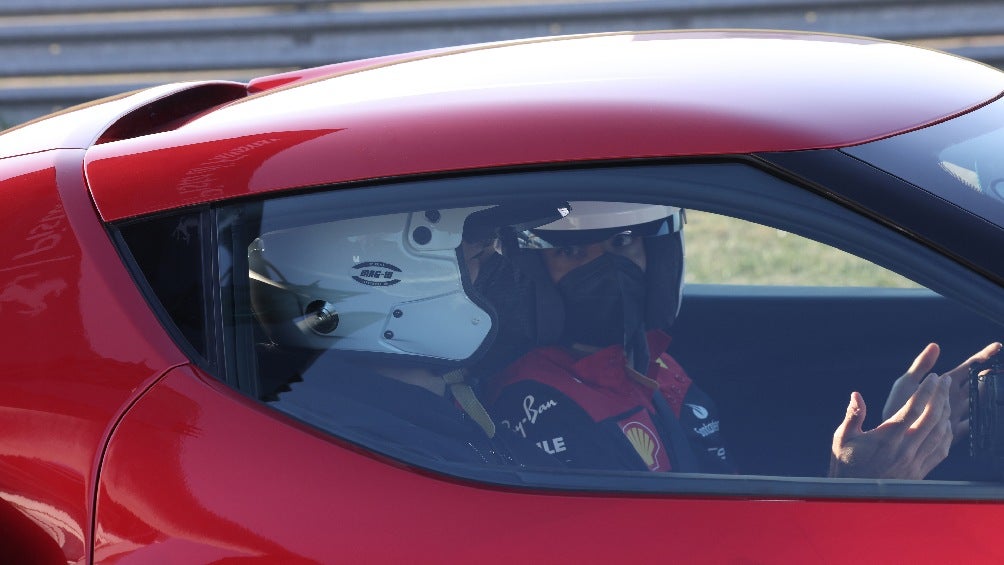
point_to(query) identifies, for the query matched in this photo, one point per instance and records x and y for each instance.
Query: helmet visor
(556, 235)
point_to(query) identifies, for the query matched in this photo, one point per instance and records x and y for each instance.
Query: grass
(724, 250)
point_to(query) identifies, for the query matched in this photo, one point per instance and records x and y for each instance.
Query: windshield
(959, 160)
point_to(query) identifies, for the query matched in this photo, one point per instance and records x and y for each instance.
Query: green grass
(724, 250)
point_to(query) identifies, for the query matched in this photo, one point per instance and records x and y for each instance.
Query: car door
(283, 439)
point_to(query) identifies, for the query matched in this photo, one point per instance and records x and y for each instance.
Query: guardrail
(55, 53)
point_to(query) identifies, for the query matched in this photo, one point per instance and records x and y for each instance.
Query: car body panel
(562, 100)
(80, 343)
(81, 126)
(288, 78)
(365, 509)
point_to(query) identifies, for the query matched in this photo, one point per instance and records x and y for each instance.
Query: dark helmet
(610, 300)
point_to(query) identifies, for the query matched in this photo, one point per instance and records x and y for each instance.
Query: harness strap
(685, 461)
(468, 401)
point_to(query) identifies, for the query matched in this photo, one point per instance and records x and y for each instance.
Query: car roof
(579, 98)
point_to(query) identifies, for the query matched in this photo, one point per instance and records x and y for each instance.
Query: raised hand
(906, 385)
(906, 446)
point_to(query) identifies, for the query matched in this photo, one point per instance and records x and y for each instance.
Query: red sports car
(435, 307)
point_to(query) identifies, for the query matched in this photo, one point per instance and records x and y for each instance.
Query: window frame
(792, 211)
(205, 355)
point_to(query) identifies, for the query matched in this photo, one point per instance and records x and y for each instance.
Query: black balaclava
(605, 304)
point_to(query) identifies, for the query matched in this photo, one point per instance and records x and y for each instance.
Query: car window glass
(480, 326)
(958, 160)
(168, 250)
(723, 250)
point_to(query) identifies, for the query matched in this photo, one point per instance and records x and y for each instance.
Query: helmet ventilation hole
(422, 235)
(321, 317)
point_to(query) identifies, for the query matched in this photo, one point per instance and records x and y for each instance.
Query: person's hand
(905, 386)
(906, 446)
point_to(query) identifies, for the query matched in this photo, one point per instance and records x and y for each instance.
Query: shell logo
(644, 442)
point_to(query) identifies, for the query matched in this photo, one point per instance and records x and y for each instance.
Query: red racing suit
(595, 412)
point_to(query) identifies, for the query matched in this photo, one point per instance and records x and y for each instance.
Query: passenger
(393, 328)
(608, 396)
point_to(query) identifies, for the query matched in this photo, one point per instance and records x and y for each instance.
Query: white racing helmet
(389, 284)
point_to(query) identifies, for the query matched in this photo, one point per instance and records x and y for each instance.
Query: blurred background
(58, 53)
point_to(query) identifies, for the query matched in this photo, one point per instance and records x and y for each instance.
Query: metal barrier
(55, 53)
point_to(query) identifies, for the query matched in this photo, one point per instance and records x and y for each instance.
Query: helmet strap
(636, 350)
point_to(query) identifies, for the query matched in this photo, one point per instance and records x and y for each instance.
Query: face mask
(604, 301)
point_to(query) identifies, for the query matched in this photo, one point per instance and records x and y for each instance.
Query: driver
(606, 395)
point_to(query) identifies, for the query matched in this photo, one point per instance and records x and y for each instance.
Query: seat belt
(682, 457)
(468, 401)
(686, 461)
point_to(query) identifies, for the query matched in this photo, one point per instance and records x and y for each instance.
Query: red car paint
(550, 101)
(80, 346)
(304, 499)
(114, 448)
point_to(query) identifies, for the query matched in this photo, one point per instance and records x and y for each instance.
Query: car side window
(724, 250)
(798, 325)
(648, 328)
(169, 253)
